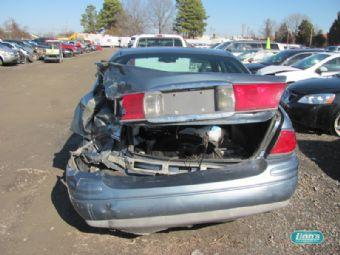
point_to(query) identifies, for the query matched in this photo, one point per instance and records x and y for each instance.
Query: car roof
(250, 41)
(158, 35)
(304, 50)
(173, 50)
(330, 53)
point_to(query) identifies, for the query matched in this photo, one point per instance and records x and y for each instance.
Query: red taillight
(286, 142)
(133, 106)
(250, 97)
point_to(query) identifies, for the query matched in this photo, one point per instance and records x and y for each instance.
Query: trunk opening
(197, 143)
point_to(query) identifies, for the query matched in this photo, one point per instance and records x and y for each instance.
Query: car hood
(276, 69)
(316, 86)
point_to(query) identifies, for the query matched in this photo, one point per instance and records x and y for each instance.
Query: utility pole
(311, 37)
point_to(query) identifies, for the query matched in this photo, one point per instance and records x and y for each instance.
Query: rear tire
(1, 62)
(335, 128)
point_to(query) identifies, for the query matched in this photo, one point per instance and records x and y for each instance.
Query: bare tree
(2, 33)
(161, 14)
(293, 22)
(14, 31)
(268, 28)
(133, 19)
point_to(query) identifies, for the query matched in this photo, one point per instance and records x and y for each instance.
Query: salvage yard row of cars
(14, 52)
(175, 136)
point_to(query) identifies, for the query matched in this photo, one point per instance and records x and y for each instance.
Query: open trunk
(199, 142)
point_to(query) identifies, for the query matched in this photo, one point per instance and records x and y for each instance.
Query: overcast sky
(226, 17)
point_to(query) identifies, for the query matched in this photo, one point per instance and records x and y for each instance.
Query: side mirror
(321, 69)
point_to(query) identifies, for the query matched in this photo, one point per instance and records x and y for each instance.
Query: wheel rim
(337, 125)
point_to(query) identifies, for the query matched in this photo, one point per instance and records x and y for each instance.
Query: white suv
(159, 40)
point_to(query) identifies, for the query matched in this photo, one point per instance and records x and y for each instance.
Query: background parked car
(69, 50)
(333, 48)
(79, 45)
(23, 55)
(238, 47)
(160, 40)
(54, 53)
(314, 104)
(286, 57)
(8, 56)
(322, 64)
(39, 49)
(27, 47)
(255, 56)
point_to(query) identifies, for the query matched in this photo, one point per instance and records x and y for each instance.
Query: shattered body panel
(193, 159)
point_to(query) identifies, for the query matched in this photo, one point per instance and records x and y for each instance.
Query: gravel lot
(36, 107)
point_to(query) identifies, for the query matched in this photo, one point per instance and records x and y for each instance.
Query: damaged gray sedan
(177, 136)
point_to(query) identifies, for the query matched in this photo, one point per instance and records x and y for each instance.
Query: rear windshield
(159, 42)
(310, 61)
(184, 63)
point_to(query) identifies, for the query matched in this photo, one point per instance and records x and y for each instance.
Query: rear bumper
(140, 204)
(52, 57)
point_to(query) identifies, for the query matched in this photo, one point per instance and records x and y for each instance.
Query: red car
(73, 50)
(78, 45)
(98, 47)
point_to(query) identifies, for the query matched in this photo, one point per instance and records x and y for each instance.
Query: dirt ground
(36, 106)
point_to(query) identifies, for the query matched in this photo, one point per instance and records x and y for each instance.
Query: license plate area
(189, 102)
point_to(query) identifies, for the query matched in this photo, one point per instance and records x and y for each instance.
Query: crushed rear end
(164, 149)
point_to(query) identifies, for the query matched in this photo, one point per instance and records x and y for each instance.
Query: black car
(286, 57)
(314, 104)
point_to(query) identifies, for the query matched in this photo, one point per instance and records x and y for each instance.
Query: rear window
(184, 63)
(159, 42)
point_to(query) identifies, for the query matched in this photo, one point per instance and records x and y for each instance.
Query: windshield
(159, 42)
(247, 54)
(222, 46)
(310, 61)
(184, 63)
(278, 58)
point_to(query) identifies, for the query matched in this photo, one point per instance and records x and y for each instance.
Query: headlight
(317, 99)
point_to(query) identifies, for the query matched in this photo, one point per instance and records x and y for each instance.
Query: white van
(159, 40)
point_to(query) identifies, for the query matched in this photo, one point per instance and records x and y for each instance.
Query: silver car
(7, 55)
(180, 136)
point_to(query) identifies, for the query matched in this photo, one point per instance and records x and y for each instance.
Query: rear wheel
(1, 62)
(336, 125)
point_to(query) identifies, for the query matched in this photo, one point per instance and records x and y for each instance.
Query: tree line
(129, 17)
(298, 28)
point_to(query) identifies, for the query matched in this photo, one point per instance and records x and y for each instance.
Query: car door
(331, 67)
